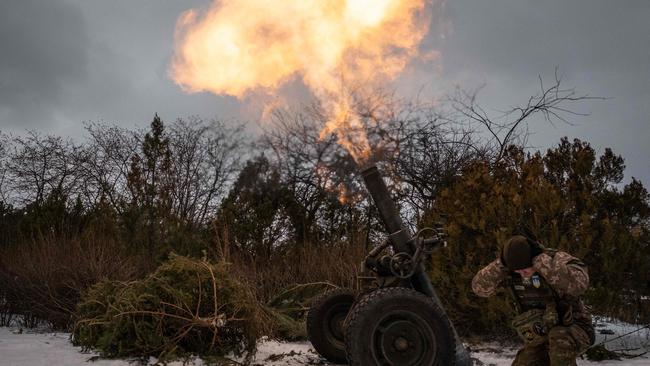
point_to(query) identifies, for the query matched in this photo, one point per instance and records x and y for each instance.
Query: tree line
(288, 206)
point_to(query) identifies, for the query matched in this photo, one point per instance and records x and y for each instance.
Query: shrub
(289, 309)
(185, 306)
(44, 279)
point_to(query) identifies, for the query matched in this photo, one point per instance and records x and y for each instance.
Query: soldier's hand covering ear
(535, 248)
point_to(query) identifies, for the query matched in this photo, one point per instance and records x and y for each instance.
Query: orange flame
(240, 46)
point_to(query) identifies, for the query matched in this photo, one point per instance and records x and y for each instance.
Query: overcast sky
(63, 62)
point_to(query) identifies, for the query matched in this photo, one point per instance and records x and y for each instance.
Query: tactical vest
(536, 293)
(531, 293)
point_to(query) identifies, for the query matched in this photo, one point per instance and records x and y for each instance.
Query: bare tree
(206, 155)
(422, 147)
(39, 164)
(315, 168)
(554, 103)
(430, 152)
(4, 147)
(432, 144)
(104, 163)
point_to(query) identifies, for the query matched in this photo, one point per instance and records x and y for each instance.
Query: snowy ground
(25, 348)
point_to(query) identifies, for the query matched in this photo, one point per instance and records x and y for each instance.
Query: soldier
(546, 286)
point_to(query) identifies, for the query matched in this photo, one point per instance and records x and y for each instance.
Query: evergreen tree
(566, 199)
(150, 184)
(253, 210)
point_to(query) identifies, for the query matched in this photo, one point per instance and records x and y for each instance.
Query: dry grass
(44, 279)
(335, 263)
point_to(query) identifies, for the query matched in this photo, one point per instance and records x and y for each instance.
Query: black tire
(399, 327)
(325, 323)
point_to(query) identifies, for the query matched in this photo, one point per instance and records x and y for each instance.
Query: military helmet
(517, 253)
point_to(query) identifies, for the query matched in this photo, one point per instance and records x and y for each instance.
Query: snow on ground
(42, 349)
(25, 348)
(615, 335)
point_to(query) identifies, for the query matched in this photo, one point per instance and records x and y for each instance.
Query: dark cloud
(81, 60)
(515, 37)
(42, 49)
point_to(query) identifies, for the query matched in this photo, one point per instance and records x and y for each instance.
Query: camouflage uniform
(563, 328)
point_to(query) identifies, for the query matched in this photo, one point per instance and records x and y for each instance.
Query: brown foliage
(334, 263)
(45, 278)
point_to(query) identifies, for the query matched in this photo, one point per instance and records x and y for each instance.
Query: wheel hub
(401, 344)
(404, 339)
(334, 325)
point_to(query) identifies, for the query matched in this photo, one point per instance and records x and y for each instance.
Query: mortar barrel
(400, 236)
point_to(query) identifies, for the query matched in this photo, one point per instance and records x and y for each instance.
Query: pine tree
(150, 183)
(253, 209)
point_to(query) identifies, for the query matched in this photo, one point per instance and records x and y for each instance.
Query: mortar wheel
(398, 327)
(325, 323)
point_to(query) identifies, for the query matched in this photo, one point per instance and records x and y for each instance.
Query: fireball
(240, 47)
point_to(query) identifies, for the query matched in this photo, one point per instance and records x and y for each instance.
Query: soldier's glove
(535, 248)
